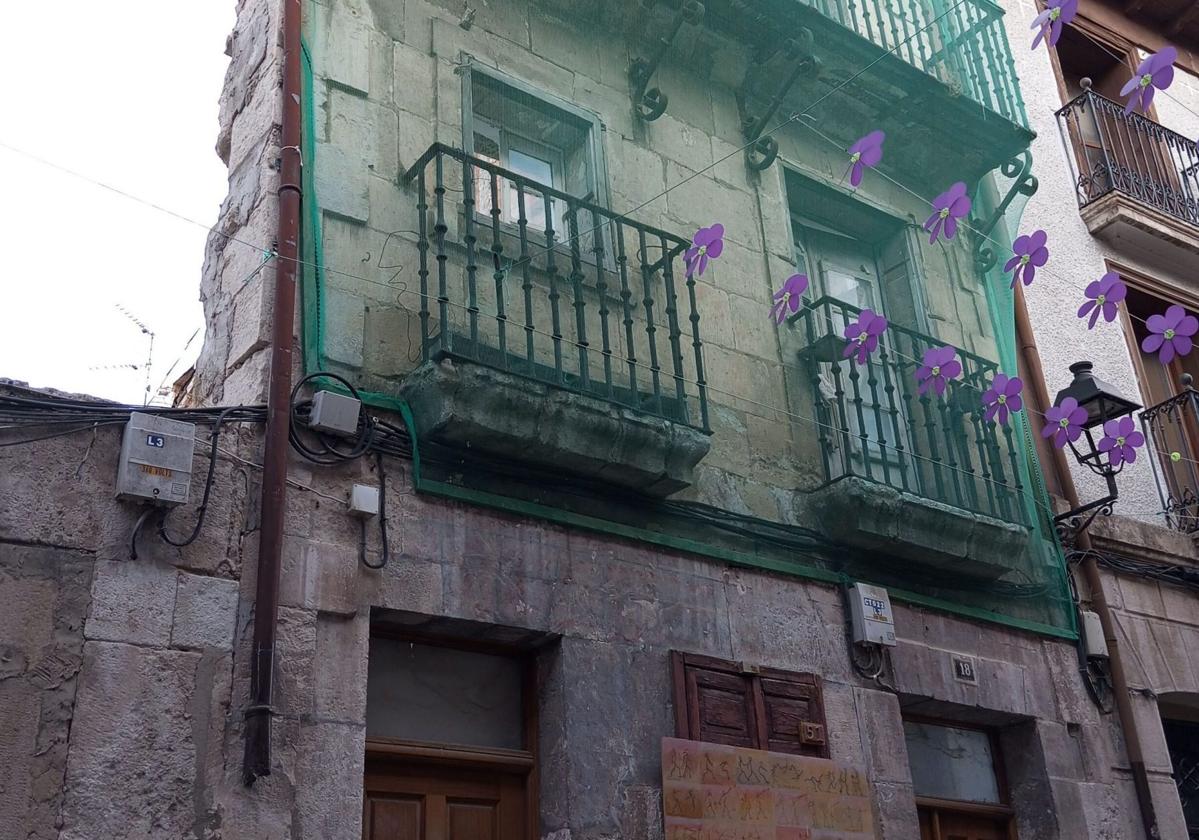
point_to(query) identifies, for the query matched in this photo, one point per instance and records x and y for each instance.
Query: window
(1103, 58)
(1174, 430)
(417, 692)
(723, 702)
(960, 791)
(868, 260)
(1180, 724)
(552, 145)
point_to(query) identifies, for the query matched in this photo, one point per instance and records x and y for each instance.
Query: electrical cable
(385, 555)
(40, 438)
(137, 529)
(202, 510)
(328, 454)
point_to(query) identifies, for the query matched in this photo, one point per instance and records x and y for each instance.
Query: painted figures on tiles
(716, 792)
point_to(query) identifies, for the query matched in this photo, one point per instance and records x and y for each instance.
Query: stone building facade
(618, 522)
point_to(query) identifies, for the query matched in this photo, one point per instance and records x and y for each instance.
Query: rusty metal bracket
(650, 102)
(763, 150)
(1019, 169)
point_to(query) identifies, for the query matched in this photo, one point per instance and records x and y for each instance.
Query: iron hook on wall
(650, 102)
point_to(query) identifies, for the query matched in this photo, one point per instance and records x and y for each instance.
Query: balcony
(954, 497)
(1136, 181)
(1172, 427)
(947, 82)
(553, 330)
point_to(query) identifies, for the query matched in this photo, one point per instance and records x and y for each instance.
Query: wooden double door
(422, 801)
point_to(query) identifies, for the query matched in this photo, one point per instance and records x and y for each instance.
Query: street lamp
(1102, 403)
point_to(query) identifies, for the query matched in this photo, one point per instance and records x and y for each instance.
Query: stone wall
(388, 83)
(236, 288)
(124, 682)
(140, 667)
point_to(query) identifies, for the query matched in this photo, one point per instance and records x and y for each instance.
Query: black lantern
(1102, 403)
(1100, 399)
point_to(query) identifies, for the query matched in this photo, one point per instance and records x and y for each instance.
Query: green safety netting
(1032, 595)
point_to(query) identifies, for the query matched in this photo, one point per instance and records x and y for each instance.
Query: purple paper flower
(1030, 254)
(1104, 294)
(940, 366)
(948, 207)
(864, 154)
(1064, 422)
(1121, 439)
(788, 297)
(1170, 333)
(862, 335)
(707, 245)
(1153, 74)
(1051, 21)
(1003, 397)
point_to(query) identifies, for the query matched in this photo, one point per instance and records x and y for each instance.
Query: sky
(124, 93)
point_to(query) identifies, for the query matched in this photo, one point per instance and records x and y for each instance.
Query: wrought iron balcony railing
(875, 425)
(1110, 151)
(960, 43)
(530, 280)
(1172, 430)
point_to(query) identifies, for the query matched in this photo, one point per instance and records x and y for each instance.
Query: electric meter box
(156, 460)
(870, 611)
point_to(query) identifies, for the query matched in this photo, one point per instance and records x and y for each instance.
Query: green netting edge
(313, 343)
(1001, 306)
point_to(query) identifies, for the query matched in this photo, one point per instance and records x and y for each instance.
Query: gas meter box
(156, 460)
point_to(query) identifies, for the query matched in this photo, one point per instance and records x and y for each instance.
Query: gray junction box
(156, 460)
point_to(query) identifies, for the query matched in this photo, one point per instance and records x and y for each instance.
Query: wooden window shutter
(717, 702)
(793, 713)
(723, 702)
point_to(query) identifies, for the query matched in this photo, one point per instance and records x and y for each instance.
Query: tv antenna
(149, 333)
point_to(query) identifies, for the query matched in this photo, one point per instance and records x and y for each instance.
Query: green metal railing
(873, 424)
(960, 42)
(527, 279)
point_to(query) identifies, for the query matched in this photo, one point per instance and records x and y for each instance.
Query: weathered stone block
(132, 601)
(413, 79)
(246, 383)
(328, 794)
(564, 44)
(471, 405)
(259, 120)
(364, 129)
(339, 668)
(205, 612)
(341, 182)
(343, 314)
(250, 322)
(341, 49)
(46, 595)
(133, 741)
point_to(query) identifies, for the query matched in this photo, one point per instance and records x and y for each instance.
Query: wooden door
(429, 802)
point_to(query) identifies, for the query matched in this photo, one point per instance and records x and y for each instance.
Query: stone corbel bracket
(798, 53)
(650, 102)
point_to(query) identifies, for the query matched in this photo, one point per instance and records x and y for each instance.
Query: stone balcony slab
(473, 406)
(873, 517)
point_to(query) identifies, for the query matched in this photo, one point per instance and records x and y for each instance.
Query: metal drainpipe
(1132, 739)
(274, 475)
